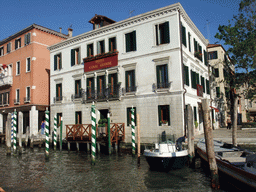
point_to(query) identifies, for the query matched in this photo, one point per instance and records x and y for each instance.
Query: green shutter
(126, 79)
(159, 115)
(158, 74)
(25, 39)
(195, 45)
(103, 50)
(133, 78)
(156, 28)
(61, 90)
(189, 44)
(127, 42)
(195, 114)
(202, 83)
(207, 87)
(169, 115)
(134, 48)
(72, 57)
(218, 91)
(79, 56)
(60, 62)
(184, 39)
(87, 50)
(166, 32)
(205, 58)
(128, 115)
(55, 62)
(28, 38)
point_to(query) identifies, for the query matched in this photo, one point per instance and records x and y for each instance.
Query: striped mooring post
(55, 133)
(46, 133)
(14, 130)
(93, 134)
(133, 131)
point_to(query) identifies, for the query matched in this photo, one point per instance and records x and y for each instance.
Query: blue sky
(18, 14)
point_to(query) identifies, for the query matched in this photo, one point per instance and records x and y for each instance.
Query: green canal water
(72, 171)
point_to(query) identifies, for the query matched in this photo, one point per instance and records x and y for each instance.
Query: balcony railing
(26, 99)
(77, 96)
(57, 99)
(161, 86)
(16, 101)
(90, 94)
(5, 80)
(131, 89)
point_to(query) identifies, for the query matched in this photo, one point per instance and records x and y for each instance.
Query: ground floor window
(164, 115)
(129, 116)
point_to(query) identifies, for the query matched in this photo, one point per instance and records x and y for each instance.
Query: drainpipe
(182, 72)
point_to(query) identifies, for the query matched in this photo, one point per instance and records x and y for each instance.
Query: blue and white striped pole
(93, 134)
(133, 131)
(14, 130)
(47, 133)
(55, 133)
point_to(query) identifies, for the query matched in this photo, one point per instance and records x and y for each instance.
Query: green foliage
(102, 122)
(196, 124)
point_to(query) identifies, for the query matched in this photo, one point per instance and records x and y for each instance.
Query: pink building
(25, 75)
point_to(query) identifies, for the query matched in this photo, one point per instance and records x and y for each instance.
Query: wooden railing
(84, 132)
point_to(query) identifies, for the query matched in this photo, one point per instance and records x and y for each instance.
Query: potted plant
(164, 122)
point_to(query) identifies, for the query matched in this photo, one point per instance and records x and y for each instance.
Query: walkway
(225, 135)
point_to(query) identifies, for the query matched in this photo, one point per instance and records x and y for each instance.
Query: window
(78, 88)
(78, 117)
(213, 55)
(100, 47)
(162, 33)
(162, 76)
(129, 116)
(59, 118)
(194, 79)
(27, 39)
(186, 73)
(6, 98)
(130, 81)
(18, 68)
(28, 65)
(195, 114)
(112, 44)
(101, 86)
(189, 43)
(90, 93)
(207, 87)
(216, 72)
(205, 58)
(9, 47)
(164, 114)
(90, 50)
(202, 83)
(75, 56)
(197, 50)
(59, 92)
(17, 43)
(184, 38)
(130, 39)
(27, 98)
(57, 62)
(17, 100)
(1, 51)
(217, 91)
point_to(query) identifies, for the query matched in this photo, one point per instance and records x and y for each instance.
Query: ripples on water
(72, 171)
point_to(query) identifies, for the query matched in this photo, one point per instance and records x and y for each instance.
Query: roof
(214, 45)
(101, 17)
(30, 28)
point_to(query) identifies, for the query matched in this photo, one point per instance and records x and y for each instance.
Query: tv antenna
(130, 13)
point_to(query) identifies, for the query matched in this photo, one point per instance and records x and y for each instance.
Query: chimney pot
(60, 29)
(70, 32)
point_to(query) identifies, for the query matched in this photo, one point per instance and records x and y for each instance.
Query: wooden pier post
(116, 148)
(138, 137)
(32, 141)
(98, 147)
(8, 135)
(61, 134)
(190, 134)
(26, 139)
(209, 144)
(88, 146)
(109, 136)
(68, 146)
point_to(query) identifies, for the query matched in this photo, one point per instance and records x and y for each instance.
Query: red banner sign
(200, 90)
(101, 63)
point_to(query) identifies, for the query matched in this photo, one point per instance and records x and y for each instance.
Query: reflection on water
(72, 171)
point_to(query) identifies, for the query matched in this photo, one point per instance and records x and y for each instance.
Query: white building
(146, 72)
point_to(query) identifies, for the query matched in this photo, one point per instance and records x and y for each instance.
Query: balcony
(26, 99)
(163, 86)
(5, 80)
(16, 101)
(77, 96)
(57, 99)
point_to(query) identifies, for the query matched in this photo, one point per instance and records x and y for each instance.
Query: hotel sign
(100, 62)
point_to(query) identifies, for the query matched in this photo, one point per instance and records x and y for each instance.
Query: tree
(240, 36)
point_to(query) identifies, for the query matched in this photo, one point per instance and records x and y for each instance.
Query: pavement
(244, 137)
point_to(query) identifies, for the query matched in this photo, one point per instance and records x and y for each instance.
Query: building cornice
(132, 21)
(29, 28)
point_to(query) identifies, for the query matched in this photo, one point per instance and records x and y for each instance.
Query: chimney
(70, 32)
(60, 29)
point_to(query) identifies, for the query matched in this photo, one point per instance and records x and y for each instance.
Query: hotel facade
(155, 62)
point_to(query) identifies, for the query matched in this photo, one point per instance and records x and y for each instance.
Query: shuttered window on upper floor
(162, 33)
(27, 39)
(75, 56)
(130, 41)
(57, 62)
(184, 38)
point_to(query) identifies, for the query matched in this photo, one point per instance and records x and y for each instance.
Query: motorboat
(233, 161)
(165, 156)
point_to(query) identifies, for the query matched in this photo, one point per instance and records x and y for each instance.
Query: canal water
(72, 171)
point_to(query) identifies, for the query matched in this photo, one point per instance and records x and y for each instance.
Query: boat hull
(166, 163)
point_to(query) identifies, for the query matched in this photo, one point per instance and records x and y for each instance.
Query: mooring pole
(93, 133)
(8, 134)
(109, 136)
(209, 144)
(55, 133)
(133, 131)
(46, 133)
(60, 133)
(190, 132)
(138, 136)
(14, 130)
(20, 131)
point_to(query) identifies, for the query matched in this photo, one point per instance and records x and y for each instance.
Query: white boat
(165, 156)
(239, 164)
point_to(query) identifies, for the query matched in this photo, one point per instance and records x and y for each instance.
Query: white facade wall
(144, 60)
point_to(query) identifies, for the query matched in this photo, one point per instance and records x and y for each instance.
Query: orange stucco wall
(38, 77)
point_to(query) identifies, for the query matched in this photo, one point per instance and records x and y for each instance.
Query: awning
(216, 110)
